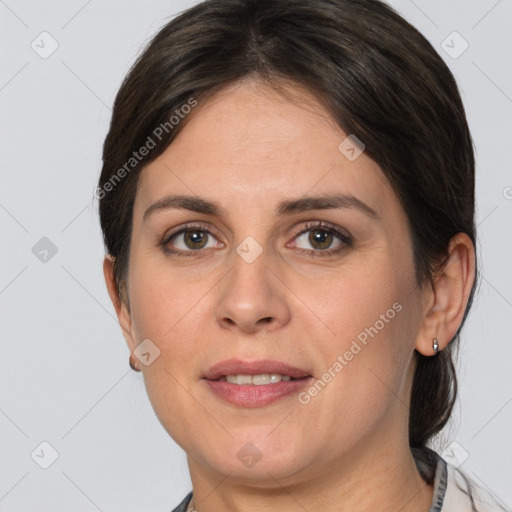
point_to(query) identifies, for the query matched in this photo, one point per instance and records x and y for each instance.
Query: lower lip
(249, 395)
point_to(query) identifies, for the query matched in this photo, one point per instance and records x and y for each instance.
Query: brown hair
(379, 78)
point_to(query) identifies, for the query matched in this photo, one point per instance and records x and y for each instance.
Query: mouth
(262, 379)
(259, 372)
(251, 384)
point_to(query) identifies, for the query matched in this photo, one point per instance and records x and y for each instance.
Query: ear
(122, 310)
(446, 302)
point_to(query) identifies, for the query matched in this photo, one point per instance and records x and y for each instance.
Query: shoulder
(182, 507)
(462, 494)
(454, 491)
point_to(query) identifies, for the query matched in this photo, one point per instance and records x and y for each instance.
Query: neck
(387, 481)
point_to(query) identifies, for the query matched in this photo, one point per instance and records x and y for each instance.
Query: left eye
(321, 238)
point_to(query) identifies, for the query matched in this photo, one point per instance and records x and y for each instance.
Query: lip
(248, 395)
(262, 366)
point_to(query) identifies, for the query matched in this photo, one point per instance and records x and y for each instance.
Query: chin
(258, 461)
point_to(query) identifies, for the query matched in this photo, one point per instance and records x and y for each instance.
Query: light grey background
(64, 375)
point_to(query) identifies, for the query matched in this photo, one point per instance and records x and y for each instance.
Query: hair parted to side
(378, 77)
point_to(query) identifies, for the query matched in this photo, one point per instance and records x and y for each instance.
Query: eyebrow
(323, 202)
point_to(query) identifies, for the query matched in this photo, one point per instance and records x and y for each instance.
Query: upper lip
(262, 366)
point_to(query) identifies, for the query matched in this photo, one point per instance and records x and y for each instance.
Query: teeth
(256, 380)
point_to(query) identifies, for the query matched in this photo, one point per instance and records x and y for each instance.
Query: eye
(189, 241)
(320, 237)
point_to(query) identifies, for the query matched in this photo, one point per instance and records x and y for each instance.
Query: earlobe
(449, 297)
(120, 307)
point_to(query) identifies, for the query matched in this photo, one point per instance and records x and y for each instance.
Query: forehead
(250, 145)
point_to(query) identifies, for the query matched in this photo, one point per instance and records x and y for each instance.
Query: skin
(249, 148)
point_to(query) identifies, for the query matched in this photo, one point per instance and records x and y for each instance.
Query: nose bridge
(249, 279)
(251, 295)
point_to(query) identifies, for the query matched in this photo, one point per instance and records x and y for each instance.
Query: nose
(252, 297)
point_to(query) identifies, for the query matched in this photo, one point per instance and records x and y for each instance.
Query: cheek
(162, 302)
(172, 314)
(354, 303)
(365, 378)
(366, 355)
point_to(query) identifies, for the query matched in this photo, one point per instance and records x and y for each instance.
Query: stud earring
(435, 345)
(132, 364)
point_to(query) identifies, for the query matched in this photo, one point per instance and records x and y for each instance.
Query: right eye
(189, 241)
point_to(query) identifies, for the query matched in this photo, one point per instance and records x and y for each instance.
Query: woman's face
(259, 280)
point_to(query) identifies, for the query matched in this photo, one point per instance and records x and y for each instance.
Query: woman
(287, 203)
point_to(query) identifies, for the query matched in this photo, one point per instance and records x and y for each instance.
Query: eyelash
(188, 227)
(344, 238)
(308, 226)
